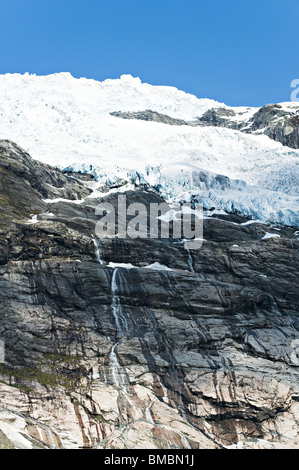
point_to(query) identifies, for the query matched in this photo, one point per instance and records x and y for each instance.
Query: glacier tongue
(66, 122)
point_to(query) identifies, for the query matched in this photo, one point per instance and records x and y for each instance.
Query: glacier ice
(66, 122)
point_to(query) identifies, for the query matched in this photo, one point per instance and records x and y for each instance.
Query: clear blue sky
(242, 52)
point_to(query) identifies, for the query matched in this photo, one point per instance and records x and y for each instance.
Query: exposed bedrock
(124, 343)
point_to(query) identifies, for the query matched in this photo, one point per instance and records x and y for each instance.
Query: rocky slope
(140, 343)
(280, 122)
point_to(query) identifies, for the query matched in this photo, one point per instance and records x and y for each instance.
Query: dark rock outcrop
(149, 115)
(104, 348)
(277, 123)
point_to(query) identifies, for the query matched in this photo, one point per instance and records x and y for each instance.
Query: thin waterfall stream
(97, 247)
(119, 318)
(118, 373)
(190, 260)
(190, 263)
(148, 414)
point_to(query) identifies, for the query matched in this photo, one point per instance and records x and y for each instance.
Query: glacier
(66, 122)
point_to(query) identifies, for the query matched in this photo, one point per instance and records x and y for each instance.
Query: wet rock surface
(106, 349)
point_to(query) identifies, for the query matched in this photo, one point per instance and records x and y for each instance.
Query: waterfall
(47, 437)
(117, 372)
(52, 439)
(148, 414)
(97, 247)
(190, 263)
(40, 435)
(190, 260)
(119, 318)
(184, 442)
(275, 308)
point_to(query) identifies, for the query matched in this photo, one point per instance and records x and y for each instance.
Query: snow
(60, 199)
(290, 106)
(249, 222)
(65, 122)
(270, 235)
(154, 266)
(158, 267)
(33, 220)
(239, 445)
(242, 113)
(122, 265)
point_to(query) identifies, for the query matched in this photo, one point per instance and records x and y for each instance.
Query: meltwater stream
(119, 318)
(118, 373)
(190, 263)
(148, 414)
(97, 248)
(190, 260)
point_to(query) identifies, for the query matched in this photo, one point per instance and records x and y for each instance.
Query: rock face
(124, 343)
(275, 121)
(154, 116)
(278, 124)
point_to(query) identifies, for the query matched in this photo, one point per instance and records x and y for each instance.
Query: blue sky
(242, 52)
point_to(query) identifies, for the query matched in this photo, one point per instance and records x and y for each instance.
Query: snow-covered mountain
(185, 145)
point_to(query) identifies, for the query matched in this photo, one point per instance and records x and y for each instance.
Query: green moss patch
(36, 375)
